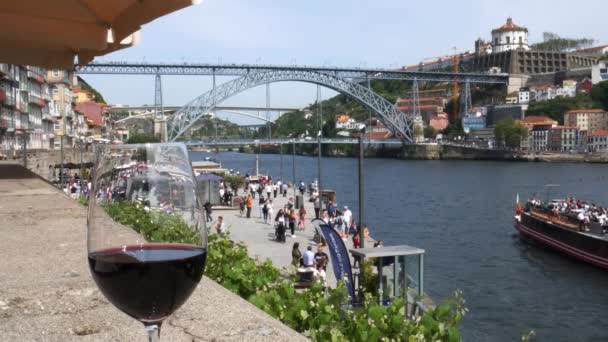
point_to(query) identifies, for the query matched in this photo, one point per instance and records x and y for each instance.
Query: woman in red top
(302, 221)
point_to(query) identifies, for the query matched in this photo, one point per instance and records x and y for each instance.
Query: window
(55, 91)
(508, 40)
(495, 41)
(55, 73)
(521, 40)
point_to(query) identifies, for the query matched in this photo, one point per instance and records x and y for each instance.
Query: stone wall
(42, 162)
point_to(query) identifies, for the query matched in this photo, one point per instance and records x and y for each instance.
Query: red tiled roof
(564, 127)
(599, 133)
(379, 135)
(595, 48)
(510, 26)
(93, 111)
(576, 111)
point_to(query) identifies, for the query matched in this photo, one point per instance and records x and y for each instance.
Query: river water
(461, 213)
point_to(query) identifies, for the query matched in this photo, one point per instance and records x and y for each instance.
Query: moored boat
(574, 229)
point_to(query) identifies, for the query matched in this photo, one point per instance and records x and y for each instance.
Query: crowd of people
(574, 210)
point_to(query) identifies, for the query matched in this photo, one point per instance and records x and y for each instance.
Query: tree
(142, 139)
(556, 108)
(599, 95)
(430, 132)
(235, 182)
(510, 132)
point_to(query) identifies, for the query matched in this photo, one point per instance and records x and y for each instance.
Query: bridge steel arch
(396, 121)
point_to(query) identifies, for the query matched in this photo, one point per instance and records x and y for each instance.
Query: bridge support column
(160, 129)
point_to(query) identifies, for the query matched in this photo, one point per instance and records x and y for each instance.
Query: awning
(51, 33)
(209, 177)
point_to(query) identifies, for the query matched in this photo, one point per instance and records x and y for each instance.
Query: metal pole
(361, 191)
(61, 157)
(268, 112)
(293, 166)
(81, 169)
(320, 136)
(25, 149)
(281, 153)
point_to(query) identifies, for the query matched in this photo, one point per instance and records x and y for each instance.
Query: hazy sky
(379, 33)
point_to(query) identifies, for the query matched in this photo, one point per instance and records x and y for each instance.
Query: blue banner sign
(339, 255)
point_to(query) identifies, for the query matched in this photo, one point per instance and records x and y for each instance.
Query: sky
(346, 33)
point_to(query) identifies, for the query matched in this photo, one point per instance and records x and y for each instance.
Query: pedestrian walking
(302, 221)
(270, 211)
(317, 205)
(280, 226)
(292, 222)
(268, 189)
(208, 209)
(296, 255)
(261, 203)
(285, 187)
(249, 204)
(275, 188)
(265, 211)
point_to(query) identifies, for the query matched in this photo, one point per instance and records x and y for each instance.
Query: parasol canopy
(51, 33)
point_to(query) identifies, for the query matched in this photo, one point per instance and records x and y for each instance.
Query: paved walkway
(259, 237)
(47, 294)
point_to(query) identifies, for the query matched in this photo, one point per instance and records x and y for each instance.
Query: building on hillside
(497, 113)
(585, 86)
(599, 72)
(597, 51)
(523, 96)
(95, 114)
(590, 120)
(429, 106)
(61, 91)
(439, 122)
(342, 120)
(598, 141)
(509, 37)
(543, 92)
(563, 139)
(83, 95)
(538, 132)
(475, 119)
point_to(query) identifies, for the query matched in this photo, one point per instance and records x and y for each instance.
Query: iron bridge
(128, 68)
(330, 141)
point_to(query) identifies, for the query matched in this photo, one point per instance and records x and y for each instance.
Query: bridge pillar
(160, 129)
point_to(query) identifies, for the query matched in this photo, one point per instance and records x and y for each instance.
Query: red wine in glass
(148, 282)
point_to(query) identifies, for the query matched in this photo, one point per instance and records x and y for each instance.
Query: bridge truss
(246, 69)
(396, 121)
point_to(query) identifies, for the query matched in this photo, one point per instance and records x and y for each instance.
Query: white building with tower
(509, 37)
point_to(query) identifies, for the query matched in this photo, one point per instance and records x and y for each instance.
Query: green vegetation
(430, 132)
(153, 226)
(323, 315)
(235, 182)
(510, 132)
(553, 42)
(206, 128)
(599, 95)
(556, 108)
(142, 139)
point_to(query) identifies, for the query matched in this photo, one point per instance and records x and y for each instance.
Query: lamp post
(26, 134)
(319, 163)
(293, 166)
(281, 153)
(361, 189)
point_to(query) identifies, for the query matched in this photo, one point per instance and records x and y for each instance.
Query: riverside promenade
(47, 293)
(260, 239)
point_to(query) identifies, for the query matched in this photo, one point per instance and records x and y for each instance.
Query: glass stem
(153, 332)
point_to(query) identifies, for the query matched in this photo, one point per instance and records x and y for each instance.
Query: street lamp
(361, 189)
(319, 163)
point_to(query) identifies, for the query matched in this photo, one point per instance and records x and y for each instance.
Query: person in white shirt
(348, 216)
(268, 189)
(309, 257)
(220, 226)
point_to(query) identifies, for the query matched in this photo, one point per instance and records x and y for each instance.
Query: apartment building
(590, 120)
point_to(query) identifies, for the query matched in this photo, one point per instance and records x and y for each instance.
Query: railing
(36, 76)
(36, 100)
(23, 86)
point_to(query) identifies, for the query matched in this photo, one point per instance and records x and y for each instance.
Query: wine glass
(147, 238)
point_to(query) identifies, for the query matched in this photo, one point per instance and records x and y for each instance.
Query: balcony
(31, 74)
(23, 86)
(47, 117)
(10, 101)
(2, 96)
(36, 100)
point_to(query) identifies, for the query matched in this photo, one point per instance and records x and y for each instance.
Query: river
(461, 213)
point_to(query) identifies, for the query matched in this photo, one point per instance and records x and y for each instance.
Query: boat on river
(568, 228)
